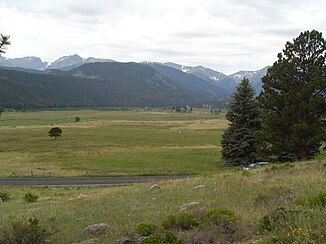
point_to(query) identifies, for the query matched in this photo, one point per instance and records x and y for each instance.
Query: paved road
(84, 181)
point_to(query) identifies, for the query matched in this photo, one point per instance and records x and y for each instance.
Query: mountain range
(72, 81)
(63, 63)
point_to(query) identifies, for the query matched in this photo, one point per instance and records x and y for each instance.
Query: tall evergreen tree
(239, 145)
(293, 99)
(4, 41)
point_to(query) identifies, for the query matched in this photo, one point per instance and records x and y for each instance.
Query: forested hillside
(102, 84)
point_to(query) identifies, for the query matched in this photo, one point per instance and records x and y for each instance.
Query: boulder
(155, 187)
(96, 229)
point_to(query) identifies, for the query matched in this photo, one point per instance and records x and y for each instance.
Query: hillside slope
(100, 84)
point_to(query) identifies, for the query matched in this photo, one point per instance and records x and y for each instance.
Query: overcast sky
(226, 35)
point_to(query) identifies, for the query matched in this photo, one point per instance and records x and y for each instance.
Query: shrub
(24, 232)
(279, 195)
(30, 197)
(296, 226)
(77, 119)
(5, 196)
(146, 228)
(211, 233)
(217, 226)
(218, 216)
(279, 218)
(165, 237)
(153, 240)
(182, 221)
(318, 201)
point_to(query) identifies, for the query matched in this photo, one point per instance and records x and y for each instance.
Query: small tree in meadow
(55, 132)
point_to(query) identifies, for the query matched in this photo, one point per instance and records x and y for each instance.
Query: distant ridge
(62, 63)
(225, 83)
(102, 85)
(175, 84)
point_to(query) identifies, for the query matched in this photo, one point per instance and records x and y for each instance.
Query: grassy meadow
(150, 143)
(125, 206)
(110, 143)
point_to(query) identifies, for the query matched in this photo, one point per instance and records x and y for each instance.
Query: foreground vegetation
(110, 143)
(251, 195)
(283, 203)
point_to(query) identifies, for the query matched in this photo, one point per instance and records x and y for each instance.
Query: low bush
(218, 216)
(182, 221)
(25, 231)
(30, 197)
(217, 234)
(294, 226)
(279, 195)
(278, 218)
(216, 226)
(146, 228)
(5, 196)
(318, 201)
(165, 237)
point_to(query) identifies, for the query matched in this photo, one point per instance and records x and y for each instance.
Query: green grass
(124, 207)
(142, 143)
(110, 143)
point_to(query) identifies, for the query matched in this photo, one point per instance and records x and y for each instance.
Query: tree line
(286, 121)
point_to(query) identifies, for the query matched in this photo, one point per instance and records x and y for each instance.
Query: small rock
(82, 196)
(199, 186)
(155, 187)
(188, 206)
(96, 229)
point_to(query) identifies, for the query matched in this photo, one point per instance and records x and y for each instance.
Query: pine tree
(4, 41)
(239, 145)
(293, 100)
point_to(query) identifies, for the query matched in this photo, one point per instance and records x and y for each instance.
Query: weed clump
(5, 196)
(294, 226)
(279, 195)
(218, 216)
(25, 231)
(146, 228)
(278, 218)
(165, 237)
(216, 226)
(318, 201)
(182, 221)
(30, 197)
